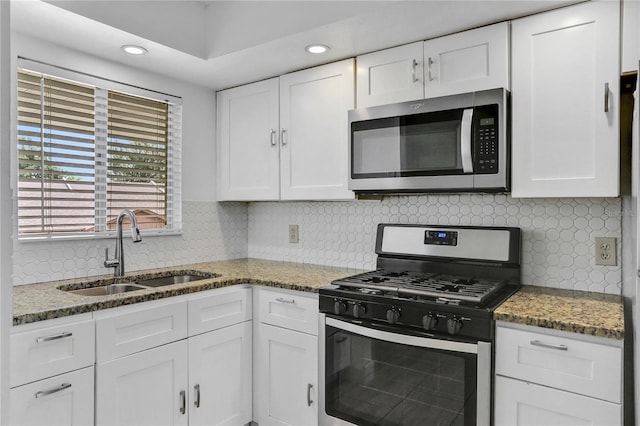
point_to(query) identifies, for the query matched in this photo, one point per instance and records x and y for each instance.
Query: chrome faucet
(118, 261)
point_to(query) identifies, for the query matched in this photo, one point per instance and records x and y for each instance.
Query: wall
(557, 238)
(211, 231)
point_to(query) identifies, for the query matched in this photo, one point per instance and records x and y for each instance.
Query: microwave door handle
(465, 141)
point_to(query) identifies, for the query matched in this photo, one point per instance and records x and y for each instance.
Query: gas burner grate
(411, 284)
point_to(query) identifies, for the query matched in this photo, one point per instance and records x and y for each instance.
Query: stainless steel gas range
(411, 343)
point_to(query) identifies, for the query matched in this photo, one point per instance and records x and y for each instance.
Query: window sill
(101, 236)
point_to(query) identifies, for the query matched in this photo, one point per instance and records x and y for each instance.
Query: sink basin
(113, 286)
(105, 290)
(173, 279)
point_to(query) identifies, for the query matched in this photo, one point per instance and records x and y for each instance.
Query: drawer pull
(54, 390)
(548, 346)
(55, 337)
(283, 300)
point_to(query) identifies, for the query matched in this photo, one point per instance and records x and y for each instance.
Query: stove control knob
(454, 325)
(359, 310)
(339, 307)
(393, 315)
(429, 321)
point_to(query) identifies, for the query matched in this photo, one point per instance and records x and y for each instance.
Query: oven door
(375, 377)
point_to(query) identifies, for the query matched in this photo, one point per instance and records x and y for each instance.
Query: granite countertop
(583, 312)
(42, 301)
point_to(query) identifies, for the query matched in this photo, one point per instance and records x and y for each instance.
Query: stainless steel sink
(175, 279)
(103, 288)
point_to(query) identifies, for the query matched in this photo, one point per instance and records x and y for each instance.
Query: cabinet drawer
(220, 308)
(47, 351)
(561, 362)
(292, 310)
(62, 400)
(519, 403)
(127, 331)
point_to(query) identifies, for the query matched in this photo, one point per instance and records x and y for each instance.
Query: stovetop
(425, 284)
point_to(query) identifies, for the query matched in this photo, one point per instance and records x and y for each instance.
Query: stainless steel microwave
(457, 143)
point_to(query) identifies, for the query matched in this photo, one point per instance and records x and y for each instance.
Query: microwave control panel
(486, 139)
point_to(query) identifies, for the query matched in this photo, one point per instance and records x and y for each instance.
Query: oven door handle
(465, 140)
(403, 339)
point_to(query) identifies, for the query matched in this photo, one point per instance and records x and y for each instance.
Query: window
(85, 153)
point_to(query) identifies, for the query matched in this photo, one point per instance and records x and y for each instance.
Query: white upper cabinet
(390, 76)
(247, 134)
(286, 138)
(468, 61)
(565, 66)
(314, 132)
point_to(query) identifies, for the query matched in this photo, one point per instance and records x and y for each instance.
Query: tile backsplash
(211, 231)
(557, 242)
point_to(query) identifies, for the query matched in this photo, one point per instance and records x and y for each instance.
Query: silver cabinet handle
(196, 401)
(414, 65)
(283, 139)
(465, 140)
(183, 402)
(429, 64)
(54, 390)
(283, 300)
(62, 335)
(606, 97)
(548, 346)
(273, 137)
(309, 400)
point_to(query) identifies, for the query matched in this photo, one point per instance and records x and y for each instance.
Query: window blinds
(86, 153)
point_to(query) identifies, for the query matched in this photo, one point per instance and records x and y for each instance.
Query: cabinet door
(247, 142)
(146, 388)
(220, 379)
(565, 68)
(287, 364)
(390, 76)
(519, 403)
(468, 61)
(314, 135)
(66, 399)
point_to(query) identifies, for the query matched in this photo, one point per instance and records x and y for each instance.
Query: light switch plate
(606, 251)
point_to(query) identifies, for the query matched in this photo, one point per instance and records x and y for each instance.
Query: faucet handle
(109, 263)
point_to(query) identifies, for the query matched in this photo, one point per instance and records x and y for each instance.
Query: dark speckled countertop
(581, 312)
(576, 311)
(42, 301)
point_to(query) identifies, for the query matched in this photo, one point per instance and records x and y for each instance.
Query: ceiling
(220, 44)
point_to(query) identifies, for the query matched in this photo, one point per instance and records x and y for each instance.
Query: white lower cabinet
(146, 388)
(286, 358)
(549, 377)
(202, 378)
(66, 399)
(52, 373)
(287, 377)
(220, 376)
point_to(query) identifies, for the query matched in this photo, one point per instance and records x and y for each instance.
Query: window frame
(174, 153)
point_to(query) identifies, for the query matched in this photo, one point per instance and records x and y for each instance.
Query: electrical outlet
(294, 237)
(606, 251)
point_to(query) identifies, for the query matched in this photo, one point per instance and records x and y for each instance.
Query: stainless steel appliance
(411, 342)
(456, 143)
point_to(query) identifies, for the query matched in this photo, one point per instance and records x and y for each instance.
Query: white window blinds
(86, 153)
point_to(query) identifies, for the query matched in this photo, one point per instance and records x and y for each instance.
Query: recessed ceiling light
(317, 48)
(134, 50)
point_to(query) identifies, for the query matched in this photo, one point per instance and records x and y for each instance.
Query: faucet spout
(118, 262)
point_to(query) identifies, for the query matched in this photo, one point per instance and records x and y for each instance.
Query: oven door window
(416, 145)
(376, 382)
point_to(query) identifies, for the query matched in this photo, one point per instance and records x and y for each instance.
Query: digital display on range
(441, 238)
